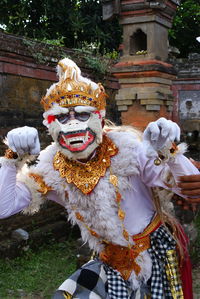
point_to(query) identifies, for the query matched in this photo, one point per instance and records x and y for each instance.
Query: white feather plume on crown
(68, 69)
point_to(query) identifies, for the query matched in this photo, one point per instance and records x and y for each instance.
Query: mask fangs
(76, 141)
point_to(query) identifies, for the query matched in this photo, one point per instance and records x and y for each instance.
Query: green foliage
(44, 50)
(55, 42)
(114, 55)
(99, 63)
(186, 27)
(73, 21)
(37, 273)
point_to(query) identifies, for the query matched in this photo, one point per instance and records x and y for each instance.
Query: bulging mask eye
(63, 118)
(82, 116)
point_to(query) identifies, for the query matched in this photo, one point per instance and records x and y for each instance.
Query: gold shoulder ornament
(43, 187)
(85, 176)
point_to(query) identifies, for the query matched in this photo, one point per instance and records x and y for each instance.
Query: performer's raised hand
(190, 185)
(24, 140)
(160, 133)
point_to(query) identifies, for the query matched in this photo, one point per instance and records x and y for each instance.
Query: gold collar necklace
(85, 176)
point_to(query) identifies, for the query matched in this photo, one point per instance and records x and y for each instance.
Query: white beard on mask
(77, 139)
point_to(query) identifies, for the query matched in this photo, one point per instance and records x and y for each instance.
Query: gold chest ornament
(85, 176)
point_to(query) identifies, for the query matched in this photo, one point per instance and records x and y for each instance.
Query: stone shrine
(143, 72)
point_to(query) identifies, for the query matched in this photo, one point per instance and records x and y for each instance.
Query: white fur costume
(98, 208)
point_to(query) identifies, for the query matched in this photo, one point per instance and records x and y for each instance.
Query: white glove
(161, 133)
(24, 140)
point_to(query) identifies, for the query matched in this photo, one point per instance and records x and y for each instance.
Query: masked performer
(112, 182)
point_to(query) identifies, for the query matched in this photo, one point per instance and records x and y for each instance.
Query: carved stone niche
(144, 38)
(138, 42)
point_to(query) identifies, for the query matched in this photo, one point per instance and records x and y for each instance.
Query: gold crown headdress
(74, 90)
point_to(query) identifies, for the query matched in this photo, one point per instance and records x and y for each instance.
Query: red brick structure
(145, 95)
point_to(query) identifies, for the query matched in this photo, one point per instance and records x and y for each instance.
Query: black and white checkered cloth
(162, 243)
(117, 287)
(95, 280)
(87, 282)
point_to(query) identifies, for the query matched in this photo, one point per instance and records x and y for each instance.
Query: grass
(37, 274)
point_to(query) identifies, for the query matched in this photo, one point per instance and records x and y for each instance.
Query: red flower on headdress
(51, 118)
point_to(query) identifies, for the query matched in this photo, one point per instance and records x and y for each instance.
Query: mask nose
(73, 125)
(73, 122)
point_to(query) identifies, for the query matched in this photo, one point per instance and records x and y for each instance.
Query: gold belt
(123, 258)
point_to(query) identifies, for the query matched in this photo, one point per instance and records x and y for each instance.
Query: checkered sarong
(96, 280)
(164, 260)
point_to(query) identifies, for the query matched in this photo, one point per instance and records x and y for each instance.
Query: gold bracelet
(9, 154)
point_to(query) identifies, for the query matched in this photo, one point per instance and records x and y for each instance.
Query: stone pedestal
(145, 91)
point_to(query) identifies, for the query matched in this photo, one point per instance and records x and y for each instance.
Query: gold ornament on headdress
(69, 91)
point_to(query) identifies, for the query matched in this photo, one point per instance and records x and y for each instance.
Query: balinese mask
(75, 108)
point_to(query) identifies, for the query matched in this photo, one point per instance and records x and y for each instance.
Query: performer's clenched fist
(24, 140)
(160, 132)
